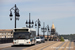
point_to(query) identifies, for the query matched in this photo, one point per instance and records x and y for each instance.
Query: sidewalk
(5, 45)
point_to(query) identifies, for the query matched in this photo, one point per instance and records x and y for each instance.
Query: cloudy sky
(61, 12)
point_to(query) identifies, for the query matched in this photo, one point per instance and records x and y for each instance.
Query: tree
(61, 38)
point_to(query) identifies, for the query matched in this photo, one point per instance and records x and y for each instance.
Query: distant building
(54, 34)
(6, 33)
(53, 29)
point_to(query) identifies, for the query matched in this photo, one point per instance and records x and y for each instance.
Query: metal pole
(38, 27)
(15, 15)
(43, 29)
(47, 32)
(29, 20)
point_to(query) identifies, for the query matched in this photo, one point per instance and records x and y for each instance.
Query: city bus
(24, 36)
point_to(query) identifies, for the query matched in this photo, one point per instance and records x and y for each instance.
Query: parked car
(40, 39)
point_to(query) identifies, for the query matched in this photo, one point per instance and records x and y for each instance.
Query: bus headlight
(29, 42)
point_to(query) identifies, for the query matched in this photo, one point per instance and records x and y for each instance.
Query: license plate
(21, 44)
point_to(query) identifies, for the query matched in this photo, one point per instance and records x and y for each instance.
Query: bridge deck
(53, 45)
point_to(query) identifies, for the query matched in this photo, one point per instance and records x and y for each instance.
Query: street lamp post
(16, 11)
(37, 22)
(29, 22)
(48, 30)
(43, 29)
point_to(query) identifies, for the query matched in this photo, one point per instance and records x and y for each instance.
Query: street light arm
(47, 27)
(15, 8)
(12, 8)
(36, 21)
(29, 22)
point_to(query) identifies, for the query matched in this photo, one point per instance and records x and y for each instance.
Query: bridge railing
(6, 40)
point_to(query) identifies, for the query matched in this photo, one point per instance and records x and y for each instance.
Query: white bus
(24, 36)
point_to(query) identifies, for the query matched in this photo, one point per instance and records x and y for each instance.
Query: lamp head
(17, 14)
(32, 22)
(26, 22)
(10, 18)
(35, 24)
(39, 24)
(10, 14)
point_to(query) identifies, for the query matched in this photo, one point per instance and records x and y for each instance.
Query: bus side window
(30, 35)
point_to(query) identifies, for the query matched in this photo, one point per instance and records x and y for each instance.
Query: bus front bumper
(21, 43)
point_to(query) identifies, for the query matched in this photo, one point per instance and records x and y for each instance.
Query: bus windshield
(21, 35)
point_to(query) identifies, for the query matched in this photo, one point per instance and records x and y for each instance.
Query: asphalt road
(20, 47)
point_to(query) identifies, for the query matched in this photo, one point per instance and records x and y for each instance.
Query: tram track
(41, 48)
(33, 46)
(72, 46)
(66, 46)
(52, 47)
(69, 46)
(46, 44)
(37, 47)
(60, 46)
